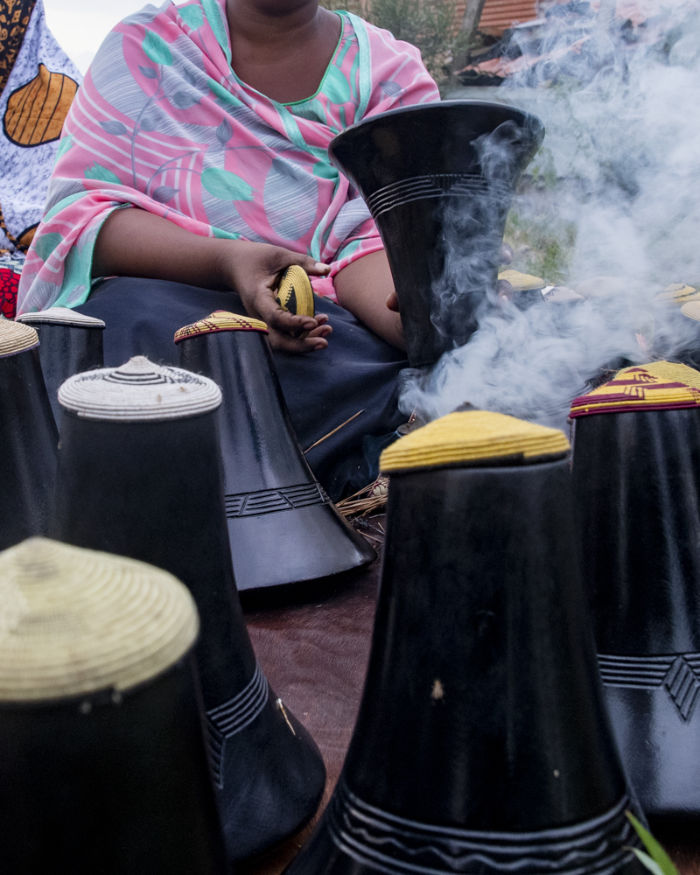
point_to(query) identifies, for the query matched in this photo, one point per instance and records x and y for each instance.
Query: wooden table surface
(313, 645)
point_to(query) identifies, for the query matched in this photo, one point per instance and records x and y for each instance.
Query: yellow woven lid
(61, 316)
(679, 293)
(294, 292)
(220, 320)
(656, 386)
(521, 282)
(139, 390)
(473, 437)
(75, 621)
(16, 338)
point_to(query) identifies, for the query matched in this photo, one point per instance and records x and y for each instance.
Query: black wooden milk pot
(282, 526)
(438, 180)
(103, 764)
(70, 342)
(27, 436)
(637, 479)
(139, 474)
(482, 744)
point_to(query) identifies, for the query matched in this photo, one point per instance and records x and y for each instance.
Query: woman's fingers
(313, 336)
(308, 343)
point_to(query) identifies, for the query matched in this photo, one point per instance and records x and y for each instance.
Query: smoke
(612, 204)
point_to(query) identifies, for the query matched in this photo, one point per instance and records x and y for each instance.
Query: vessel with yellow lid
(636, 475)
(100, 718)
(28, 436)
(283, 528)
(482, 743)
(140, 475)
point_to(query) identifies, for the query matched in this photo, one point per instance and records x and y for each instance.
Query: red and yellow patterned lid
(220, 320)
(656, 386)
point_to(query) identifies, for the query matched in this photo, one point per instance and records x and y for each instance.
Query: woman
(194, 166)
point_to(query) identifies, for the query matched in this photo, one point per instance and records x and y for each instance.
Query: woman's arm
(366, 288)
(134, 242)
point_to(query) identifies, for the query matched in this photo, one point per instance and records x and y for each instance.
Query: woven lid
(16, 338)
(473, 437)
(220, 320)
(656, 386)
(692, 310)
(521, 282)
(294, 292)
(560, 295)
(75, 621)
(60, 316)
(139, 390)
(679, 293)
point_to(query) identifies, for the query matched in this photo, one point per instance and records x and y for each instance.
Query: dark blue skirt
(357, 372)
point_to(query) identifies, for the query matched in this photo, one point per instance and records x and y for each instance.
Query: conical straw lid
(139, 390)
(678, 294)
(75, 621)
(294, 292)
(61, 316)
(16, 338)
(656, 386)
(474, 437)
(220, 320)
(691, 309)
(521, 282)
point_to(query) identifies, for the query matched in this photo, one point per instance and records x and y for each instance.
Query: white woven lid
(138, 390)
(76, 621)
(16, 338)
(60, 316)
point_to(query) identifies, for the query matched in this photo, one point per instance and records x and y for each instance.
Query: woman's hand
(133, 242)
(254, 271)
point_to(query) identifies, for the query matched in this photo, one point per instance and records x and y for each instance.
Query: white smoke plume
(622, 119)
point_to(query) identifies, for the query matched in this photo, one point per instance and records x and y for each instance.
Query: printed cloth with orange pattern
(37, 84)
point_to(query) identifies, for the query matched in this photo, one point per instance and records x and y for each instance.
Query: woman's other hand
(255, 270)
(366, 288)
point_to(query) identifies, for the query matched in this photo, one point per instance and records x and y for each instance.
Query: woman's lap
(357, 372)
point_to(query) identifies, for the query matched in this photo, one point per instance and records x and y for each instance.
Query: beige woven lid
(15, 337)
(138, 390)
(76, 621)
(691, 309)
(60, 316)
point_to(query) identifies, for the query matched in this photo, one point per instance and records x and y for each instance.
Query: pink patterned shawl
(163, 123)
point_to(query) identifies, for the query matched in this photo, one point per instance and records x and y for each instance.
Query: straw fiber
(139, 390)
(61, 316)
(75, 621)
(16, 338)
(473, 436)
(659, 385)
(220, 320)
